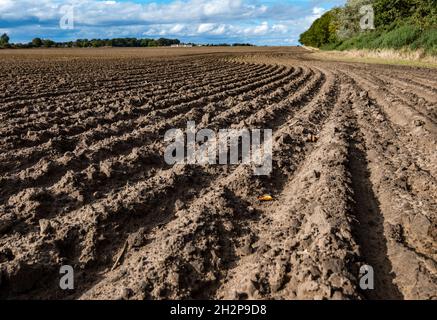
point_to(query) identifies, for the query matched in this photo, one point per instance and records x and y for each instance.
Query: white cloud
(218, 29)
(318, 11)
(94, 12)
(281, 28)
(177, 28)
(263, 28)
(242, 20)
(5, 3)
(205, 27)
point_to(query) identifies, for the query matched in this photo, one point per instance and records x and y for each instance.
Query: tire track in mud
(420, 83)
(398, 212)
(411, 101)
(404, 118)
(421, 105)
(369, 227)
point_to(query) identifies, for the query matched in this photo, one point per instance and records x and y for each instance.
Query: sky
(260, 22)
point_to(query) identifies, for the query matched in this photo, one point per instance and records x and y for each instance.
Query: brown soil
(84, 182)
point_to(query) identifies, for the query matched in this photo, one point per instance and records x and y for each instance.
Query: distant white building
(182, 45)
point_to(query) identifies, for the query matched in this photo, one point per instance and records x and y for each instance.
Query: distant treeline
(93, 43)
(97, 43)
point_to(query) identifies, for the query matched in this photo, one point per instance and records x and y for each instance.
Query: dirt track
(83, 178)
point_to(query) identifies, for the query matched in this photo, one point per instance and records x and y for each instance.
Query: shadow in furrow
(369, 229)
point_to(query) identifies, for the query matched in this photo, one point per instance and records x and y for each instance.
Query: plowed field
(83, 181)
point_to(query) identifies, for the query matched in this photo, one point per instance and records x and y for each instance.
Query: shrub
(399, 24)
(400, 37)
(323, 31)
(4, 40)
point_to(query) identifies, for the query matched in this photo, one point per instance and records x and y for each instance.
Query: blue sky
(261, 22)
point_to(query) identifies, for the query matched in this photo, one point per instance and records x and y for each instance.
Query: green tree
(322, 31)
(4, 40)
(349, 18)
(37, 42)
(417, 12)
(48, 43)
(399, 24)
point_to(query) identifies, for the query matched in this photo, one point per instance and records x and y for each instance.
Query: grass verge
(406, 57)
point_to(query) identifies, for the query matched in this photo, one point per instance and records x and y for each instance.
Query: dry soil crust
(84, 182)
